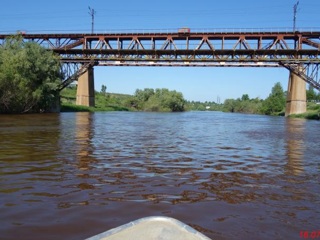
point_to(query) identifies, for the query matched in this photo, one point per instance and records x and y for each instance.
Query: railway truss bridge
(298, 51)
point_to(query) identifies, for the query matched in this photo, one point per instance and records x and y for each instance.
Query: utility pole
(91, 13)
(295, 9)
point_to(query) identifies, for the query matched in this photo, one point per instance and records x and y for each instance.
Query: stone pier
(296, 95)
(85, 89)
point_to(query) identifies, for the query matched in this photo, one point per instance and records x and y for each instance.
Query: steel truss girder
(263, 49)
(166, 41)
(309, 72)
(192, 55)
(71, 71)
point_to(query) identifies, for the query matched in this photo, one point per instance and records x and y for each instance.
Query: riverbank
(122, 102)
(103, 102)
(313, 112)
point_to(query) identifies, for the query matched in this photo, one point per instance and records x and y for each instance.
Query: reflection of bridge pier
(296, 95)
(83, 139)
(85, 90)
(295, 146)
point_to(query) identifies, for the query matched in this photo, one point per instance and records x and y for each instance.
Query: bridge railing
(212, 30)
(174, 30)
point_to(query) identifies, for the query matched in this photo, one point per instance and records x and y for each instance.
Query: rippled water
(230, 176)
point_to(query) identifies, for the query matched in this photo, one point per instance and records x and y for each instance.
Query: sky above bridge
(198, 84)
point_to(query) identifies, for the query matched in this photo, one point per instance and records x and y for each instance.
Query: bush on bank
(29, 77)
(158, 100)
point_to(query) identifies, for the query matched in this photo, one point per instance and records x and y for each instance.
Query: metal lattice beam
(72, 71)
(308, 72)
(214, 49)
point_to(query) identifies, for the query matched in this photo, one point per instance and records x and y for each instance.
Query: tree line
(164, 100)
(274, 104)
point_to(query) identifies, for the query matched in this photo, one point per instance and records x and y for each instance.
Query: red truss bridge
(186, 48)
(297, 51)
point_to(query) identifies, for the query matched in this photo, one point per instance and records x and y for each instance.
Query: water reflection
(83, 139)
(295, 130)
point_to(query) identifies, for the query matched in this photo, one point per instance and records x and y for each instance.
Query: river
(230, 176)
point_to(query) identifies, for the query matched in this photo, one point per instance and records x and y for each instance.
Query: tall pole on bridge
(91, 13)
(295, 9)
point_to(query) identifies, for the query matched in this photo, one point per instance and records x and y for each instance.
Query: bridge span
(297, 51)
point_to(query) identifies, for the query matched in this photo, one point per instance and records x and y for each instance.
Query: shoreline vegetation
(148, 100)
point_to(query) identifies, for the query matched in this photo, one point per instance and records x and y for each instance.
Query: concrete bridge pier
(85, 89)
(296, 95)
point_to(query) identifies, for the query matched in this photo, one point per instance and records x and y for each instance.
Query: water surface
(230, 176)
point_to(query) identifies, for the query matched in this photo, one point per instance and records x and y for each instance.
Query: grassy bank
(313, 112)
(103, 102)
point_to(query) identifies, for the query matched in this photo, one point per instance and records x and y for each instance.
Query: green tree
(158, 100)
(276, 101)
(230, 105)
(173, 101)
(141, 97)
(103, 89)
(245, 97)
(144, 95)
(29, 77)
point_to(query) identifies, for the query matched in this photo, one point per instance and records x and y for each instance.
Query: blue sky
(198, 84)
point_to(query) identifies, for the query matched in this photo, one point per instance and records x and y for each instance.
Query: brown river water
(230, 176)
